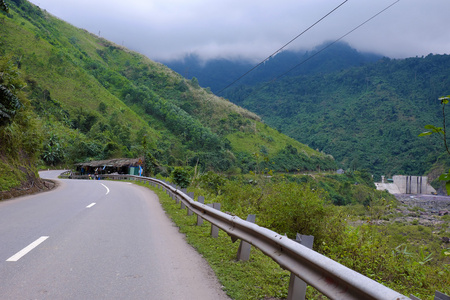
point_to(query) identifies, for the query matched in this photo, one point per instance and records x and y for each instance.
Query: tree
(9, 104)
(442, 131)
(180, 177)
(10, 84)
(3, 6)
(53, 152)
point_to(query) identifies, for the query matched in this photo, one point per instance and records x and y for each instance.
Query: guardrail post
(437, 296)
(297, 287)
(214, 228)
(244, 247)
(440, 296)
(200, 199)
(189, 211)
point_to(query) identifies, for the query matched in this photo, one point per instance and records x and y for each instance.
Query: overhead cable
(284, 46)
(337, 40)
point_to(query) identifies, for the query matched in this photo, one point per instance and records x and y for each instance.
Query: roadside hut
(130, 166)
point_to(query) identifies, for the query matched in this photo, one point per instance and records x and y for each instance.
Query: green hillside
(88, 98)
(367, 117)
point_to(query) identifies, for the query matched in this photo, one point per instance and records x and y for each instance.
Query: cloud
(169, 29)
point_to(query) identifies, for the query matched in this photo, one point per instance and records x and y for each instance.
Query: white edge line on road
(90, 205)
(27, 249)
(107, 190)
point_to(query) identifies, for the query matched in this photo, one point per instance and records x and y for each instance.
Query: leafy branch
(439, 130)
(442, 131)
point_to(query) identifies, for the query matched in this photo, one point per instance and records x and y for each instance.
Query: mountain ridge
(367, 117)
(89, 98)
(219, 73)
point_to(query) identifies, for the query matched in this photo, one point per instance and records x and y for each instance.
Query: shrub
(285, 207)
(180, 177)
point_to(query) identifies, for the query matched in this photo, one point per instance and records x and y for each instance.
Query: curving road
(91, 239)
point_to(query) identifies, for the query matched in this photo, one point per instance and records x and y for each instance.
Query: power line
(337, 40)
(329, 45)
(284, 46)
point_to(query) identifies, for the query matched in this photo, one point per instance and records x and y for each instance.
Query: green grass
(406, 258)
(257, 278)
(11, 177)
(263, 135)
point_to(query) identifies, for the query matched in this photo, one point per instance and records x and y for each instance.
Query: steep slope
(95, 100)
(367, 117)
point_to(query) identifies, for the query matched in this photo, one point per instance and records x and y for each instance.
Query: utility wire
(331, 44)
(284, 46)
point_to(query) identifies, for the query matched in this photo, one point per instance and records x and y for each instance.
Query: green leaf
(430, 127)
(426, 133)
(447, 187)
(444, 177)
(434, 129)
(444, 100)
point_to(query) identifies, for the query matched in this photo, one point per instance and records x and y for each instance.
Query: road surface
(90, 239)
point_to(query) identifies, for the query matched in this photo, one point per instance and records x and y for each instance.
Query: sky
(166, 30)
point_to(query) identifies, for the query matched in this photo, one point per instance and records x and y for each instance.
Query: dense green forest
(365, 110)
(86, 98)
(367, 117)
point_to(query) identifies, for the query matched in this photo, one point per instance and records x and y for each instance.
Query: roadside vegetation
(364, 234)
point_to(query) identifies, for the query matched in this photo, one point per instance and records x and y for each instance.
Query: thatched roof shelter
(115, 162)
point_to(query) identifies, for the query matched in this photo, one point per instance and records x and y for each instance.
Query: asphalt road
(90, 239)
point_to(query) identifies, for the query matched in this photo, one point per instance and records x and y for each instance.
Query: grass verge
(258, 278)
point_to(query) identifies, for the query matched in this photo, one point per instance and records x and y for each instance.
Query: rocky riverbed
(427, 210)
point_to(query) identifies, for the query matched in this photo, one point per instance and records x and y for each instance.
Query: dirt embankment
(31, 186)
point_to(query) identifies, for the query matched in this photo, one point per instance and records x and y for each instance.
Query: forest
(365, 110)
(367, 117)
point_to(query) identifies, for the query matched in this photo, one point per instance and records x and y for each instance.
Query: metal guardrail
(326, 275)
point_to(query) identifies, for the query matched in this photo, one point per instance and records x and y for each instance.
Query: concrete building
(406, 185)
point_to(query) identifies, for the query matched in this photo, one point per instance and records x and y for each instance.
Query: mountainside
(87, 98)
(219, 73)
(367, 117)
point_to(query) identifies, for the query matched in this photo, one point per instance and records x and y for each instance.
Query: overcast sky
(169, 29)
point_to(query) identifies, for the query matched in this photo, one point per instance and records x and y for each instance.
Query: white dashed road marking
(27, 249)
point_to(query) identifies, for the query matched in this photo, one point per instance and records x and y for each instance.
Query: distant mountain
(367, 117)
(219, 73)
